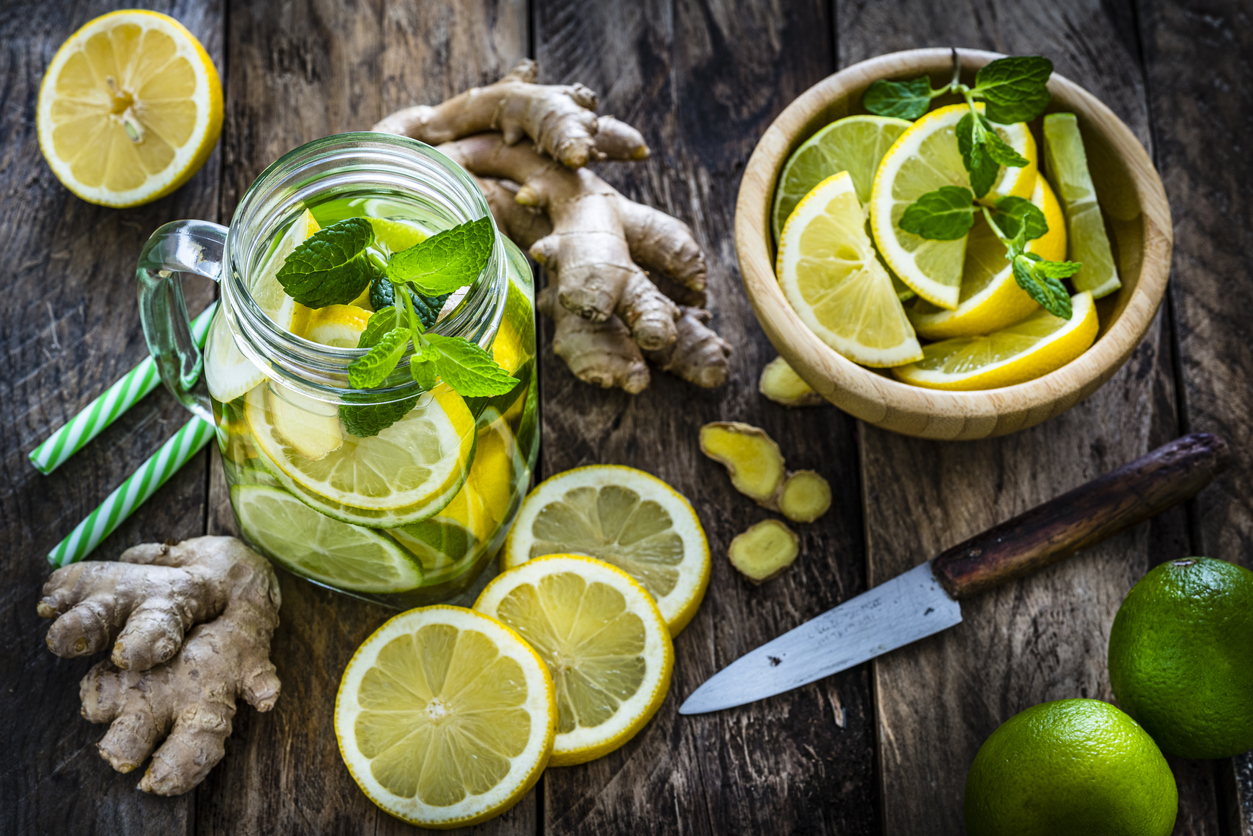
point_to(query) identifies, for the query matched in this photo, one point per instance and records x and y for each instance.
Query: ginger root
(764, 551)
(166, 678)
(780, 383)
(757, 470)
(593, 242)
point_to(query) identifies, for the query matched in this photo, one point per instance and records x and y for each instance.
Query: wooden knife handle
(1087, 515)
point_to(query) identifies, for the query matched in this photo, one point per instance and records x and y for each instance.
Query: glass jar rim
(283, 189)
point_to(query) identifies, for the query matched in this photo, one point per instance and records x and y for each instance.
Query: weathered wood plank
(702, 81)
(1043, 638)
(69, 327)
(1197, 62)
(299, 72)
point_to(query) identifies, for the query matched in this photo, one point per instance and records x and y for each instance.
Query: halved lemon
(129, 108)
(315, 546)
(339, 326)
(603, 639)
(1039, 344)
(854, 144)
(625, 517)
(990, 296)
(445, 717)
(829, 272)
(406, 473)
(925, 158)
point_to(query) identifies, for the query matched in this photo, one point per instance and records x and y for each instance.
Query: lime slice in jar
(313, 545)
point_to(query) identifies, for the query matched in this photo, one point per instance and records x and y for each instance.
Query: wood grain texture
(298, 73)
(69, 327)
(1198, 58)
(701, 80)
(1045, 637)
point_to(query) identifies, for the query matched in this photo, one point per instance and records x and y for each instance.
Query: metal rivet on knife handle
(1087, 515)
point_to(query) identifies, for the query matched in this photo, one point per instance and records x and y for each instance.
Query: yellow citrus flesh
(828, 270)
(130, 107)
(339, 326)
(445, 717)
(990, 296)
(923, 159)
(1032, 348)
(603, 639)
(625, 517)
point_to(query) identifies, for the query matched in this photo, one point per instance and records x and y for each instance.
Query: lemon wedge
(990, 296)
(445, 717)
(339, 326)
(829, 273)
(625, 517)
(923, 159)
(603, 639)
(1039, 344)
(129, 109)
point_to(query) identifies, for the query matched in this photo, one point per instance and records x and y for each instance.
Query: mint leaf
(945, 214)
(332, 266)
(377, 326)
(971, 139)
(901, 99)
(1016, 213)
(1041, 287)
(1015, 89)
(423, 366)
(446, 261)
(468, 369)
(1000, 150)
(1057, 269)
(383, 294)
(377, 364)
(365, 420)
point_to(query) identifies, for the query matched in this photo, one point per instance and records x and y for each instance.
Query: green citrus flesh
(1181, 657)
(1066, 768)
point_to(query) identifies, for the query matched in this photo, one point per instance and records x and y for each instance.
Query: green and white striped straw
(132, 493)
(104, 410)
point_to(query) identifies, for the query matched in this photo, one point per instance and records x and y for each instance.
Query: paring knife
(925, 600)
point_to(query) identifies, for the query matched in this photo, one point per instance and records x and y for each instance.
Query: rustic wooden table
(882, 748)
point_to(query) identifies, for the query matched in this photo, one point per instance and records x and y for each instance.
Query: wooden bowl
(1137, 217)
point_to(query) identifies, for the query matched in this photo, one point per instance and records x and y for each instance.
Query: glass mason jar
(396, 495)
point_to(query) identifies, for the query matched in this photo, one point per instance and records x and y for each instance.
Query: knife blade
(926, 599)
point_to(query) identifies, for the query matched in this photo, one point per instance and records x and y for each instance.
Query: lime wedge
(854, 144)
(1068, 169)
(328, 551)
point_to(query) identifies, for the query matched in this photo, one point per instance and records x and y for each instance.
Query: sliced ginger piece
(750, 456)
(310, 426)
(764, 551)
(780, 383)
(804, 497)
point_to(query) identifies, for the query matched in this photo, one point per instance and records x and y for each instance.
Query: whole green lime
(1181, 657)
(1070, 767)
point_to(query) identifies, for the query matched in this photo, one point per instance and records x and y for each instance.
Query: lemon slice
(990, 296)
(339, 326)
(1039, 344)
(830, 275)
(854, 144)
(315, 546)
(625, 517)
(1089, 244)
(269, 295)
(406, 473)
(129, 109)
(445, 717)
(603, 639)
(924, 159)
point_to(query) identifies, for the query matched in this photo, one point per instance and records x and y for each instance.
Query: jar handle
(180, 247)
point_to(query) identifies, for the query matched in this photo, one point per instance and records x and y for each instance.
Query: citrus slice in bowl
(1032, 348)
(990, 296)
(445, 717)
(625, 517)
(407, 472)
(335, 553)
(129, 108)
(923, 159)
(854, 144)
(828, 270)
(603, 639)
